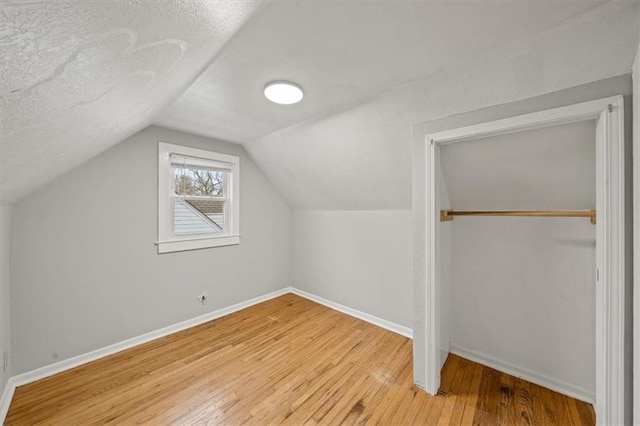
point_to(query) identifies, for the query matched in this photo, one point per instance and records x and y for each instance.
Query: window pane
(212, 209)
(192, 181)
(198, 216)
(198, 208)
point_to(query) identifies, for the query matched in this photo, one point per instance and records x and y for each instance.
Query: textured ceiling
(79, 77)
(344, 53)
(545, 169)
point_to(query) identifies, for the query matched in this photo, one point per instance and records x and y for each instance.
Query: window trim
(169, 242)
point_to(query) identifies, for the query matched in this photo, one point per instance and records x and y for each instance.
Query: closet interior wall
(521, 290)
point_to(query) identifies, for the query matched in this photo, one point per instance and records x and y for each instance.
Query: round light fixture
(283, 92)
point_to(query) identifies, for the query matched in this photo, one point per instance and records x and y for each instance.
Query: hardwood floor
(285, 361)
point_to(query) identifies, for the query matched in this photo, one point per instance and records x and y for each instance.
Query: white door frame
(608, 113)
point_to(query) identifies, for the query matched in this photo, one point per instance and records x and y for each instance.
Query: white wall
(360, 259)
(85, 270)
(523, 293)
(5, 291)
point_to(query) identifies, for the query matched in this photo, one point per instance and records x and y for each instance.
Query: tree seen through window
(197, 182)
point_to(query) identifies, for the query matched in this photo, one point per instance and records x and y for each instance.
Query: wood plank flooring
(285, 361)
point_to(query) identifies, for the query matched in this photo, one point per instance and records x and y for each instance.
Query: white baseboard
(525, 374)
(58, 367)
(7, 396)
(67, 364)
(391, 326)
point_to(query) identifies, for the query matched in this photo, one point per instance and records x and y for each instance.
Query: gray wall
(446, 274)
(636, 194)
(620, 85)
(523, 292)
(85, 270)
(5, 308)
(360, 259)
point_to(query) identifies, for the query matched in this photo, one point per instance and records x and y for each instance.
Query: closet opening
(523, 244)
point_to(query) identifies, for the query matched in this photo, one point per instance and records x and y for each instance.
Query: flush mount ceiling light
(283, 92)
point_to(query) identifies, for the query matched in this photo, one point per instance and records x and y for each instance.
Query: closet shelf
(447, 215)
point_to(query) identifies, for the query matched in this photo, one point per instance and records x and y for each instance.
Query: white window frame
(167, 240)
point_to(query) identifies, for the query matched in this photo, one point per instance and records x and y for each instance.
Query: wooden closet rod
(447, 215)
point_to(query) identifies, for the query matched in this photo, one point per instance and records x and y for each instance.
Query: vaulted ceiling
(79, 77)
(344, 53)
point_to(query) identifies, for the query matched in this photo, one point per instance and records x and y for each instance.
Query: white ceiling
(344, 53)
(545, 169)
(361, 157)
(79, 77)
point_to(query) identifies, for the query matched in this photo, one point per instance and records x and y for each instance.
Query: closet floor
(499, 398)
(284, 361)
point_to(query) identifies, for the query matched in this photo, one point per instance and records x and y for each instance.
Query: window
(197, 198)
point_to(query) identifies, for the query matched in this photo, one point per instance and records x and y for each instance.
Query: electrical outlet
(203, 297)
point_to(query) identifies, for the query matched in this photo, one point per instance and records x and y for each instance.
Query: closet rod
(446, 215)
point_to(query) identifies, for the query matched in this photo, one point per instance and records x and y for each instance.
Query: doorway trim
(608, 113)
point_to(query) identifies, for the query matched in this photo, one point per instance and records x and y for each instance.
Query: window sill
(197, 243)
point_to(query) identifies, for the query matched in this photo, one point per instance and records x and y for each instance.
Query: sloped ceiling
(343, 53)
(79, 77)
(545, 169)
(361, 158)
